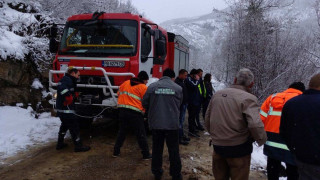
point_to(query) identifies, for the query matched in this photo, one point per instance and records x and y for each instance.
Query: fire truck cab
(110, 48)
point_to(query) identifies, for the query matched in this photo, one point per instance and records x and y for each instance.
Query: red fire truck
(109, 49)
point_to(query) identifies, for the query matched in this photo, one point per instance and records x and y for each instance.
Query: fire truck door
(146, 52)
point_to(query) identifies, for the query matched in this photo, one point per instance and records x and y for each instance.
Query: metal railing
(106, 74)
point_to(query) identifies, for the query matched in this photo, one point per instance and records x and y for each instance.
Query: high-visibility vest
(130, 97)
(204, 89)
(270, 113)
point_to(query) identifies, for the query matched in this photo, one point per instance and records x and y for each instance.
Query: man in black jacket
(163, 100)
(300, 128)
(180, 80)
(66, 111)
(194, 101)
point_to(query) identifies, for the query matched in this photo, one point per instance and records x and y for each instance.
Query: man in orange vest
(131, 113)
(275, 147)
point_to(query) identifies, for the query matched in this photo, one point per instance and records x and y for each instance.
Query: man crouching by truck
(65, 110)
(131, 113)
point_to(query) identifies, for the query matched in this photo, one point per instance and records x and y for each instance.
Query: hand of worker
(76, 94)
(68, 100)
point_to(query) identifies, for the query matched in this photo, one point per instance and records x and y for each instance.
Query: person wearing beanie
(131, 113)
(275, 148)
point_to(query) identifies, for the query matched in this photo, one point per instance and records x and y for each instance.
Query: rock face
(16, 78)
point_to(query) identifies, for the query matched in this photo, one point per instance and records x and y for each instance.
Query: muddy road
(47, 163)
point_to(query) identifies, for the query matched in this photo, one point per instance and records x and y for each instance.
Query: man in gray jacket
(162, 102)
(233, 121)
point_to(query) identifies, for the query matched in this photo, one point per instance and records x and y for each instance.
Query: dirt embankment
(47, 163)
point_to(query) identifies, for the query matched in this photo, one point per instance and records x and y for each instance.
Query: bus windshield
(100, 37)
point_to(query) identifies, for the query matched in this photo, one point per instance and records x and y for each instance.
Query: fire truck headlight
(63, 67)
(55, 95)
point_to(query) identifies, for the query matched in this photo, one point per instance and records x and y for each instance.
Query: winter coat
(163, 99)
(194, 96)
(270, 114)
(300, 126)
(233, 118)
(130, 95)
(183, 85)
(66, 87)
(209, 91)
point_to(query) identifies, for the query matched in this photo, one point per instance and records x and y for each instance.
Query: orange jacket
(130, 95)
(271, 109)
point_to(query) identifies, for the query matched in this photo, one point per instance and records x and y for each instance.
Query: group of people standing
(197, 93)
(287, 123)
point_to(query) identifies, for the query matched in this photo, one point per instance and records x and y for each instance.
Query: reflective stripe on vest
(130, 107)
(275, 113)
(66, 111)
(199, 87)
(205, 90)
(264, 114)
(277, 145)
(64, 91)
(130, 94)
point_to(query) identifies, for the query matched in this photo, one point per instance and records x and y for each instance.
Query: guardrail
(103, 87)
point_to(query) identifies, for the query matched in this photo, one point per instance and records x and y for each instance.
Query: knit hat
(143, 75)
(298, 85)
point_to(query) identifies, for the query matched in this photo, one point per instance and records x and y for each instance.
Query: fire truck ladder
(103, 87)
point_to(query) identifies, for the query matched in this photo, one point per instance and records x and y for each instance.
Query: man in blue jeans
(180, 80)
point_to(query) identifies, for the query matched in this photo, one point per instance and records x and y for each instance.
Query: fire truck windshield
(100, 37)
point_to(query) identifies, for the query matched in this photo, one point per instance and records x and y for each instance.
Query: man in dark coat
(194, 101)
(300, 128)
(180, 80)
(163, 100)
(66, 111)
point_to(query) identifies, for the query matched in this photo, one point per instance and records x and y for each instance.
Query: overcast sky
(163, 10)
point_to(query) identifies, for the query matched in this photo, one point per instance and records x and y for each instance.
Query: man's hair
(244, 77)
(73, 70)
(182, 71)
(298, 85)
(143, 75)
(169, 73)
(200, 70)
(314, 81)
(193, 72)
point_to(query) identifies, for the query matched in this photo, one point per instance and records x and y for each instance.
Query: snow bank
(20, 130)
(258, 159)
(217, 85)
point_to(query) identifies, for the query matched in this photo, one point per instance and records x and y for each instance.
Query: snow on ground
(36, 84)
(19, 129)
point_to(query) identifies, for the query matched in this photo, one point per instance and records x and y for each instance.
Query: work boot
(182, 142)
(61, 146)
(80, 148)
(116, 153)
(185, 138)
(147, 157)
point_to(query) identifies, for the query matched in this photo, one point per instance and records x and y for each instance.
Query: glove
(76, 94)
(68, 100)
